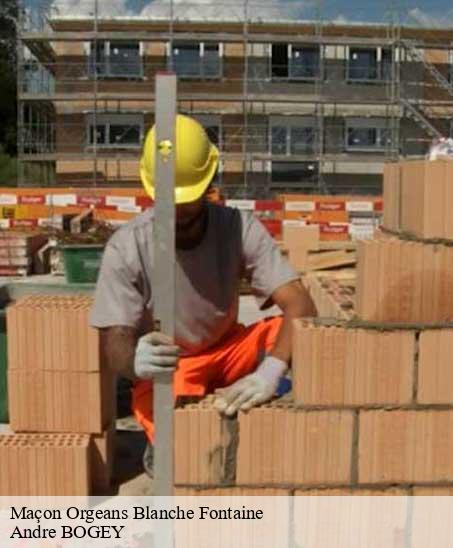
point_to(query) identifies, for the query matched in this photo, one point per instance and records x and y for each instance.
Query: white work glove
(154, 353)
(258, 387)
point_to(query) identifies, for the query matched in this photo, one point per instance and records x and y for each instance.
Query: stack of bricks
(58, 394)
(17, 250)
(408, 277)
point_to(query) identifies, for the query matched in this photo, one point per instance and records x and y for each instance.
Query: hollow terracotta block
(435, 376)
(321, 445)
(427, 198)
(202, 444)
(352, 367)
(46, 401)
(52, 333)
(402, 281)
(39, 464)
(392, 195)
(405, 446)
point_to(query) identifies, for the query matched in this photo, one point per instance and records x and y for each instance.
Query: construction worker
(216, 247)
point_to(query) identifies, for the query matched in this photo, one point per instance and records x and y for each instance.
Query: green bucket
(82, 262)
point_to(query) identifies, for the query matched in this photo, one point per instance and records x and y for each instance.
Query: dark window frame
(287, 70)
(382, 68)
(288, 130)
(381, 135)
(104, 62)
(106, 128)
(202, 73)
(311, 174)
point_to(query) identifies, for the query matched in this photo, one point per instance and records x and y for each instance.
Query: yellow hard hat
(195, 165)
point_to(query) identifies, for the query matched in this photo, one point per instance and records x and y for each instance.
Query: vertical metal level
(164, 273)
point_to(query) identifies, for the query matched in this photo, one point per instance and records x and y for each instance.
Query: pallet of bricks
(371, 409)
(17, 251)
(61, 401)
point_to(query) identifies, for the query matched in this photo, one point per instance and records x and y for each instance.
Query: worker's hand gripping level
(164, 274)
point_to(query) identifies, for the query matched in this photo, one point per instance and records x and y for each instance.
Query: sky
(435, 13)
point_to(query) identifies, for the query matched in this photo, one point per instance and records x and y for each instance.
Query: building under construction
(294, 105)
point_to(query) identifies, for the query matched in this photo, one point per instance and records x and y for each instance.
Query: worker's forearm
(118, 349)
(303, 307)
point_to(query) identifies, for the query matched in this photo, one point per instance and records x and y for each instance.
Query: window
(125, 59)
(115, 59)
(115, 130)
(98, 59)
(101, 132)
(304, 62)
(365, 135)
(292, 136)
(363, 64)
(124, 134)
(294, 172)
(302, 140)
(294, 61)
(195, 60)
(279, 140)
(386, 65)
(279, 60)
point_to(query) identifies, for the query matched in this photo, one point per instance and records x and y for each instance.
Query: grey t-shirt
(207, 277)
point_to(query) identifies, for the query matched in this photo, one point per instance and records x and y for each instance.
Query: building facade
(293, 107)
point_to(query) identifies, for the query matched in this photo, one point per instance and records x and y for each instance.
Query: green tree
(8, 91)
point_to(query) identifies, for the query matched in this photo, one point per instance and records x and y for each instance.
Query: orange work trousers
(236, 356)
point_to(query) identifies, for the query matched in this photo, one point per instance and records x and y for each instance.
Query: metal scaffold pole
(245, 99)
(95, 93)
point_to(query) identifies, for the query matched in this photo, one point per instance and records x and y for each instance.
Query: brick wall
(371, 413)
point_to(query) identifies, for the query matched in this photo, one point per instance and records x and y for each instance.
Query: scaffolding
(64, 61)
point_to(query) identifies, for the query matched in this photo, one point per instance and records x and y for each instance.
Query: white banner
(300, 206)
(228, 522)
(241, 204)
(8, 199)
(61, 200)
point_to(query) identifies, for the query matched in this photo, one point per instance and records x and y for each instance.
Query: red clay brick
(404, 281)
(52, 333)
(318, 447)
(60, 401)
(337, 366)
(202, 439)
(405, 446)
(435, 375)
(43, 464)
(426, 198)
(392, 195)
